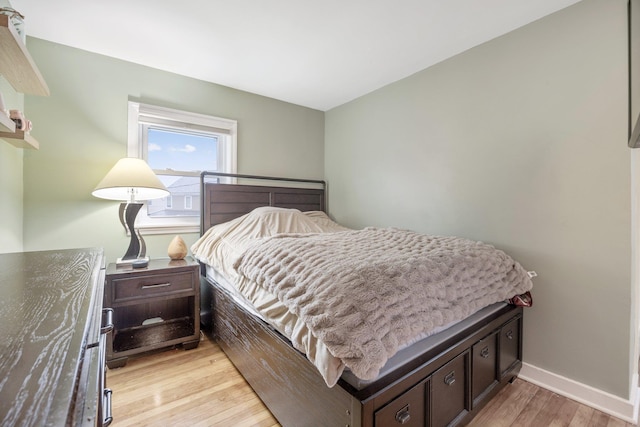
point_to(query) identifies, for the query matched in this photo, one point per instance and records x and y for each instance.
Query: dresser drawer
(408, 409)
(509, 345)
(449, 386)
(483, 367)
(151, 285)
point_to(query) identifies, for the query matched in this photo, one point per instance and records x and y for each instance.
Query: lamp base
(130, 262)
(137, 248)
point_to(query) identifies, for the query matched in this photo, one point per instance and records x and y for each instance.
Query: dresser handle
(403, 416)
(509, 334)
(159, 285)
(108, 418)
(450, 379)
(484, 353)
(104, 405)
(108, 325)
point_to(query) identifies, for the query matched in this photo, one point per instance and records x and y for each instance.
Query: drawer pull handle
(108, 324)
(159, 285)
(509, 334)
(450, 378)
(403, 416)
(484, 353)
(108, 418)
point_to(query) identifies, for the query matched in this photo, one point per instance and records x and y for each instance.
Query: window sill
(147, 230)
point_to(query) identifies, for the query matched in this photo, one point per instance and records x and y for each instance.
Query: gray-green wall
(82, 130)
(11, 191)
(520, 142)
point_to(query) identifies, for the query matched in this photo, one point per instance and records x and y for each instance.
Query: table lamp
(132, 181)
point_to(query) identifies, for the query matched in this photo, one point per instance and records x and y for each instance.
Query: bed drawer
(151, 285)
(509, 345)
(449, 391)
(408, 409)
(484, 367)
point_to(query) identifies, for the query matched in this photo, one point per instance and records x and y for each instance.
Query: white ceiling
(318, 54)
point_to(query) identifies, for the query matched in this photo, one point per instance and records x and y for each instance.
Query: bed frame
(446, 385)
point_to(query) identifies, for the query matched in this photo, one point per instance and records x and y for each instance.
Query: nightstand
(153, 307)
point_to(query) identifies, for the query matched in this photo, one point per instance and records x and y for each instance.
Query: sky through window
(181, 151)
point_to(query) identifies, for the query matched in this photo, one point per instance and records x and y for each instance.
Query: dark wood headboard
(224, 202)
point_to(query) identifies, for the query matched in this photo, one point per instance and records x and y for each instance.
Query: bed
(440, 378)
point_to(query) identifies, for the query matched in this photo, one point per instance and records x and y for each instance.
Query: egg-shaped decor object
(177, 248)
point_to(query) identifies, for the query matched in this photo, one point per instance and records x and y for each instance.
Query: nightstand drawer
(151, 285)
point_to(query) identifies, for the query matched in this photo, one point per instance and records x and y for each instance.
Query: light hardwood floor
(201, 387)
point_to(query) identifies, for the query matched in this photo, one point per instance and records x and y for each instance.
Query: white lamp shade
(130, 179)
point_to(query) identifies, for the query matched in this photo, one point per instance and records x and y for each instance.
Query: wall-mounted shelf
(19, 69)
(16, 64)
(6, 124)
(20, 139)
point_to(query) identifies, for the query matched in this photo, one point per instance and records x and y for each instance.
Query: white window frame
(188, 202)
(137, 147)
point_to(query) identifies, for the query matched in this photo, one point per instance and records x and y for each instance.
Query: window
(178, 145)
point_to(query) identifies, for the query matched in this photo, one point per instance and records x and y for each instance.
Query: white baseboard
(626, 410)
(635, 397)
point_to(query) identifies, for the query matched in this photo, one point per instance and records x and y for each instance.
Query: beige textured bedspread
(366, 293)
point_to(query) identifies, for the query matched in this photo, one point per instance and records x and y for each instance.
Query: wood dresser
(52, 349)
